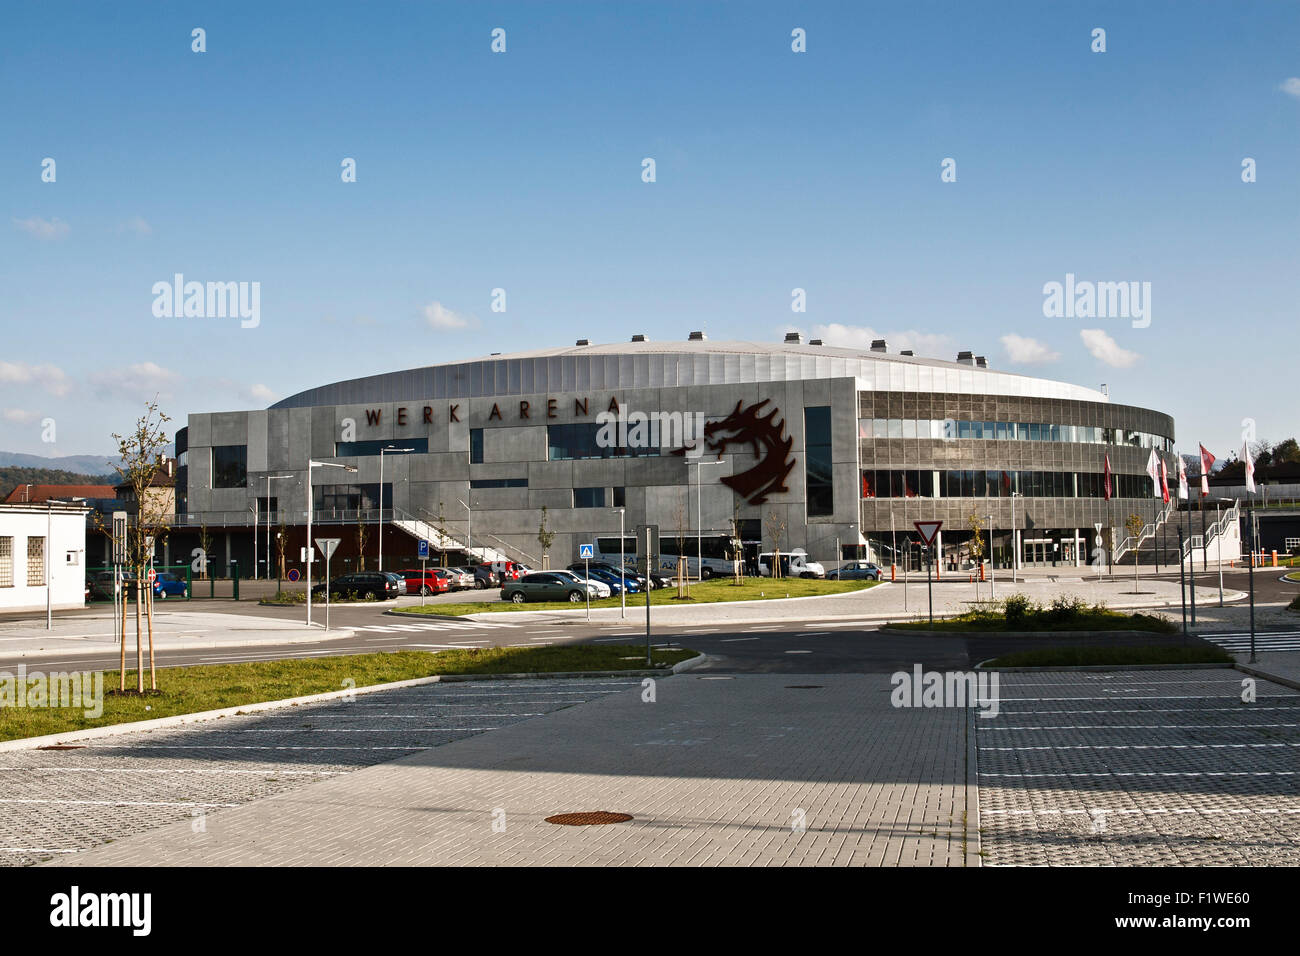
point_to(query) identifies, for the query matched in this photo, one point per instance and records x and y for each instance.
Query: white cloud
(138, 382)
(44, 229)
(1026, 351)
(860, 337)
(440, 317)
(49, 377)
(261, 393)
(137, 225)
(1107, 350)
(19, 416)
(1291, 85)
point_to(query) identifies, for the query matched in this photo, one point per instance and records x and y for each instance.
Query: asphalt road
(787, 647)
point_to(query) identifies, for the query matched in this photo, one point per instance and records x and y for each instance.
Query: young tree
(205, 545)
(679, 518)
(545, 538)
(281, 545)
(776, 531)
(976, 525)
(141, 460)
(1134, 525)
(363, 533)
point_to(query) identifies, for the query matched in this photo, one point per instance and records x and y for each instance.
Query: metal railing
(1148, 531)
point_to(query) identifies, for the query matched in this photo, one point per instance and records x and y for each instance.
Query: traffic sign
(927, 530)
(293, 574)
(424, 549)
(119, 537)
(586, 552)
(153, 576)
(327, 546)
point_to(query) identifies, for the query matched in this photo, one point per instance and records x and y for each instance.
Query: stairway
(1158, 542)
(419, 529)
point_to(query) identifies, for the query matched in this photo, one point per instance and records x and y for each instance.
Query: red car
(433, 581)
(503, 571)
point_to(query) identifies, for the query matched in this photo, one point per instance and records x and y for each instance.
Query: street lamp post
(699, 521)
(380, 520)
(310, 546)
(269, 479)
(993, 565)
(622, 567)
(469, 529)
(1015, 547)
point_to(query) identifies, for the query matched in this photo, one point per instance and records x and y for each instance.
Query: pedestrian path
(1238, 642)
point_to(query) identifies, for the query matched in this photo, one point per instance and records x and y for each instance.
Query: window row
(949, 428)
(926, 483)
(580, 441)
(35, 562)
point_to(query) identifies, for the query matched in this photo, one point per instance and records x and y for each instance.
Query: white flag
(1250, 467)
(1153, 469)
(1183, 491)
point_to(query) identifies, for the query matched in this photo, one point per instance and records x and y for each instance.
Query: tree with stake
(776, 531)
(363, 533)
(141, 460)
(545, 538)
(1134, 525)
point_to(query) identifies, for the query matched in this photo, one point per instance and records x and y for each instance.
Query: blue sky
(522, 171)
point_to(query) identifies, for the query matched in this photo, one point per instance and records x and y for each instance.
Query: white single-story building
(29, 534)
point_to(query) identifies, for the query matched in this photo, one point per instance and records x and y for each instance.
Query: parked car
(617, 582)
(419, 581)
(546, 586)
(794, 564)
(166, 584)
(856, 571)
(361, 584)
(602, 590)
(461, 578)
(399, 580)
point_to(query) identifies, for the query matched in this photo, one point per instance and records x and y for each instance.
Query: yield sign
(327, 546)
(927, 530)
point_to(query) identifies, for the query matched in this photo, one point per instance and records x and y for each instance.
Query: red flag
(1106, 476)
(866, 486)
(1164, 482)
(1207, 462)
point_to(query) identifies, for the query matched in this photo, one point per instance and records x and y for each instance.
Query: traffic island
(207, 690)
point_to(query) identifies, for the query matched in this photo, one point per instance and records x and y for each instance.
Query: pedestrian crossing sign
(586, 551)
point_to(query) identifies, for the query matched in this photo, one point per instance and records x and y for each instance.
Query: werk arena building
(805, 445)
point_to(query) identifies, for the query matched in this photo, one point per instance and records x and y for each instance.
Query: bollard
(981, 572)
(1275, 558)
(893, 572)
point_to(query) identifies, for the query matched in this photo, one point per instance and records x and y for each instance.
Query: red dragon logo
(766, 435)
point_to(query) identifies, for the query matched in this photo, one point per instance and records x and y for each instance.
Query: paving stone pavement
(1140, 769)
(750, 770)
(56, 803)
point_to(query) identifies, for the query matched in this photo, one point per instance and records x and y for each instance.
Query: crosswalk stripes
(426, 626)
(1239, 641)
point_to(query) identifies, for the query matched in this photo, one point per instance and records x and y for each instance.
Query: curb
(1103, 667)
(1264, 675)
(177, 720)
(334, 634)
(974, 835)
(1029, 635)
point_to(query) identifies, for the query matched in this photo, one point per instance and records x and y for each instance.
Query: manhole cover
(595, 818)
(63, 747)
(804, 686)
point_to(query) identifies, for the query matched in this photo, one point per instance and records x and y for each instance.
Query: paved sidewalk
(172, 630)
(889, 601)
(714, 772)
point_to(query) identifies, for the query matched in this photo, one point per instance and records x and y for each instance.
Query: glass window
(880, 428)
(909, 428)
(6, 562)
(362, 449)
(620, 497)
(818, 474)
(895, 428)
(229, 466)
(499, 483)
(589, 497)
(35, 562)
(475, 446)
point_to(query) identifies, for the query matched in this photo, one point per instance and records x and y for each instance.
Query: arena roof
(663, 364)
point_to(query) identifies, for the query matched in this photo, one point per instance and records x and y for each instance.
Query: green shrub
(1066, 607)
(1018, 608)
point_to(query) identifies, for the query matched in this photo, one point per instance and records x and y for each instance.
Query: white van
(794, 564)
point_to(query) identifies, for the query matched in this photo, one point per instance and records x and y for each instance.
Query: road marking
(732, 640)
(798, 652)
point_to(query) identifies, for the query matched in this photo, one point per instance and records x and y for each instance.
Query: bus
(717, 550)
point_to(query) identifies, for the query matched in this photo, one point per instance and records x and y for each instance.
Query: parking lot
(1140, 769)
(58, 802)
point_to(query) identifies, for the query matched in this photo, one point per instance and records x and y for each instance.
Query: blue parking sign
(424, 549)
(586, 551)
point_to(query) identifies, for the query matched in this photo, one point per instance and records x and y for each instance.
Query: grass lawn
(1083, 656)
(1089, 620)
(705, 592)
(187, 690)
